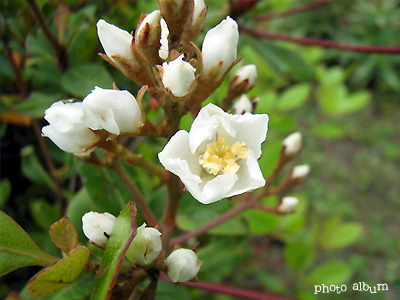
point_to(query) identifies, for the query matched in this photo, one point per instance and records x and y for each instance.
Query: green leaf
(353, 103)
(60, 274)
(32, 168)
(37, 103)
(261, 222)
(294, 96)
(79, 289)
(341, 236)
(334, 272)
(44, 213)
(328, 131)
(64, 235)
(299, 255)
(81, 79)
(5, 191)
(122, 235)
(281, 59)
(168, 291)
(17, 249)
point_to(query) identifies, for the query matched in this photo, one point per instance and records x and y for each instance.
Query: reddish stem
(229, 290)
(292, 11)
(322, 43)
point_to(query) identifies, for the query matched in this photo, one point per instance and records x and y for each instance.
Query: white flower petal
(178, 76)
(164, 49)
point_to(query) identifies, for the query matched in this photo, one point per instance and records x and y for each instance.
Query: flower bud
(247, 72)
(301, 171)
(145, 247)
(115, 41)
(113, 110)
(66, 129)
(178, 76)
(183, 265)
(147, 37)
(164, 49)
(243, 105)
(98, 227)
(287, 204)
(197, 10)
(220, 47)
(292, 144)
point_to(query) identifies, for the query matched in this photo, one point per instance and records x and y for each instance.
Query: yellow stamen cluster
(221, 158)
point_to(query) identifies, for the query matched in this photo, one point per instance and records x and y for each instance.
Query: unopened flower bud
(113, 110)
(301, 171)
(164, 49)
(66, 129)
(220, 47)
(247, 72)
(147, 37)
(183, 265)
(178, 76)
(115, 41)
(197, 9)
(287, 204)
(243, 105)
(98, 227)
(145, 247)
(292, 144)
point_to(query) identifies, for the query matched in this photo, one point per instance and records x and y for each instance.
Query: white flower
(300, 171)
(248, 72)
(178, 76)
(218, 157)
(153, 19)
(243, 105)
(98, 227)
(164, 49)
(292, 143)
(66, 129)
(198, 7)
(113, 110)
(287, 204)
(115, 41)
(145, 247)
(220, 45)
(183, 265)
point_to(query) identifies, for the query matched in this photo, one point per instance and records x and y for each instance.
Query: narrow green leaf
(60, 274)
(261, 222)
(64, 235)
(354, 102)
(32, 168)
(334, 272)
(299, 255)
(5, 191)
(294, 96)
(281, 59)
(17, 249)
(122, 235)
(43, 213)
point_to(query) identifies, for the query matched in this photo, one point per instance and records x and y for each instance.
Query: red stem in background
(292, 11)
(322, 43)
(228, 290)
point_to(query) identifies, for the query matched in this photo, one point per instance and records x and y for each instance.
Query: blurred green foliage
(345, 103)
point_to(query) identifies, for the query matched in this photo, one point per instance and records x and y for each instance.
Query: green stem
(125, 177)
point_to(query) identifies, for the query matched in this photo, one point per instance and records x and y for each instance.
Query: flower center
(221, 158)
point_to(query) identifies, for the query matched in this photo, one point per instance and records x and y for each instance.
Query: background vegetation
(345, 103)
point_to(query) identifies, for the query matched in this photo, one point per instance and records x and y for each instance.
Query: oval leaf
(121, 237)
(60, 274)
(294, 96)
(334, 272)
(64, 235)
(17, 249)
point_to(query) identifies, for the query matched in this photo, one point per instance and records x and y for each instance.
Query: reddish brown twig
(229, 290)
(292, 11)
(322, 43)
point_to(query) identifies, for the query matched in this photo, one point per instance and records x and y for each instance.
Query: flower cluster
(73, 125)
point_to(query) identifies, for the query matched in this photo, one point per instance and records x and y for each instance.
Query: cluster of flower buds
(291, 146)
(145, 248)
(73, 125)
